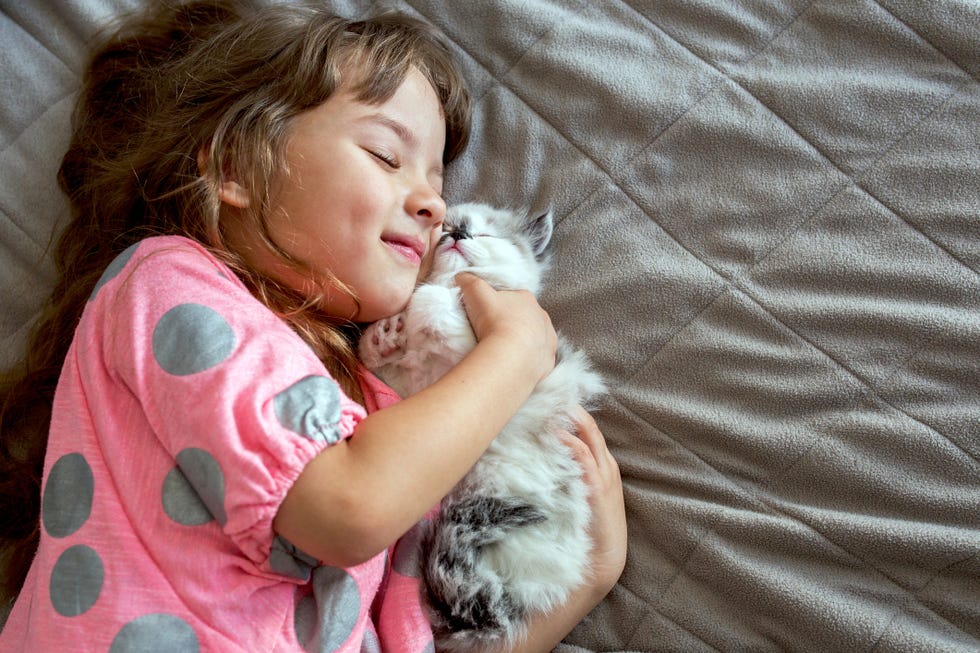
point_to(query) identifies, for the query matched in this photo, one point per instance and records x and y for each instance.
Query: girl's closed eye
(388, 159)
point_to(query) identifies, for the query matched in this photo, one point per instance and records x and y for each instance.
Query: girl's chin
(372, 312)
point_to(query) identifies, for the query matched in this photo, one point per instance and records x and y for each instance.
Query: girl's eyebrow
(400, 130)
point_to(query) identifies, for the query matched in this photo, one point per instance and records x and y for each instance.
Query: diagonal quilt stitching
(753, 497)
(653, 609)
(758, 498)
(500, 79)
(898, 214)
(763, 48)
(599, 165)
(868, 391)
(7, 213)
(18, 335)
(44, 247)
(900, 367)
(541, 37)
(679, 565)
(729, 287)
(852, 373)
(899, 139)
(646, 611)
(496, 77)
(26, 325)
(803, 221)
(857, 181)
(513, 92)
(41, 43)
(633, 200)
(649, 610)
(926, 41)
(738, 283)
(903, 609)
(925, 342)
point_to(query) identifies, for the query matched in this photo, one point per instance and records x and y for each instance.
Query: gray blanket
(769, 241)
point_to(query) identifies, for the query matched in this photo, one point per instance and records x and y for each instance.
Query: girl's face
(361, 201)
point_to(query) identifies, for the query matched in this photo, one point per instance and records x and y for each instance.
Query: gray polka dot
(194, 491)
(181, 502)
(406, 558)
(286, 559)
(68, 493)
(310, 407)
(76, 580)
(326, 619)
(114, 269)
(191, 338)
(370, 643)
(156, 633)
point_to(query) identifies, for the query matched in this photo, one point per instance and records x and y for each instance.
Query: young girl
(247, 185)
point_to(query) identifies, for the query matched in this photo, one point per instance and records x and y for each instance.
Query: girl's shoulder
(165, 262)
(177, 251)
(174, 243)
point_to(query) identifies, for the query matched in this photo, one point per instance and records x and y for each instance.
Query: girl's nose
(426, 204)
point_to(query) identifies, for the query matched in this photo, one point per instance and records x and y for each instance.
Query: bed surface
(768, 240)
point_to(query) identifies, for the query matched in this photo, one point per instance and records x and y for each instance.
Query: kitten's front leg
(439, 323)
(382, 342)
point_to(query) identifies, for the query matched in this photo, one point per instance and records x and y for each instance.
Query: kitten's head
(504, 247)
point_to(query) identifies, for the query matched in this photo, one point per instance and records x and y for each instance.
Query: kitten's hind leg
(469, 605)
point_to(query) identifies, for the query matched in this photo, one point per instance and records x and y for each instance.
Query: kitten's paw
(382, 341)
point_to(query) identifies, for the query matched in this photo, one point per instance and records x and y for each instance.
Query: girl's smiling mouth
(409, 248)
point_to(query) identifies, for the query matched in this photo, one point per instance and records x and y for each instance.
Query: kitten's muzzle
(461, 232)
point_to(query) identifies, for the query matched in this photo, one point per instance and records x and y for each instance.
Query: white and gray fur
(512, 537)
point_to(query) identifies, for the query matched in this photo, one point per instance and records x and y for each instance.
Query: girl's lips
(410, 249)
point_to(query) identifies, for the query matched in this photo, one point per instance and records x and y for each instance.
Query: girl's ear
(230, 192)
(233, 194)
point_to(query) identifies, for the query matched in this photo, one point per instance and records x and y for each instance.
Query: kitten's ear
(540, 229)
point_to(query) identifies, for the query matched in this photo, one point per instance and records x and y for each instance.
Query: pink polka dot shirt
(184, 412)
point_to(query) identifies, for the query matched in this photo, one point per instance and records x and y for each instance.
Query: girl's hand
(601, 474)
(608, 530)
(513, 315)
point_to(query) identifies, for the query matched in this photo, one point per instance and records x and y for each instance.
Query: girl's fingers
(580, 450)
(588, 431)
(588, 446)
(473, 287)
(600, 471)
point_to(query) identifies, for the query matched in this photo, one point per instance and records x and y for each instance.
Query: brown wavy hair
(210, 81)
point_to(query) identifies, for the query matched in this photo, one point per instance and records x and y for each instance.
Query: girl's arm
(357, 497)
(608, 530)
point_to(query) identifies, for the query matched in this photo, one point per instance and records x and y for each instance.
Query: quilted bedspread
(768, 240)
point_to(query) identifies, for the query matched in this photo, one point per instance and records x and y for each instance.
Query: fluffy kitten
(511, 538)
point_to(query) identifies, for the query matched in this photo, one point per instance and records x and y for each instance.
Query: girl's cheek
(429, 255)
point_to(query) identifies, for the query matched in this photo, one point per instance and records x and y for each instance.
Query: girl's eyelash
(386, 158)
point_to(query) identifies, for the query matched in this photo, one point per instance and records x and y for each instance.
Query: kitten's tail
(470, 610)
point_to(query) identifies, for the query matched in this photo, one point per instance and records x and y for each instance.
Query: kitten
(511, 538)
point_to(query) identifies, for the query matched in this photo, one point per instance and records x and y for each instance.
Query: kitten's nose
(461, 232)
